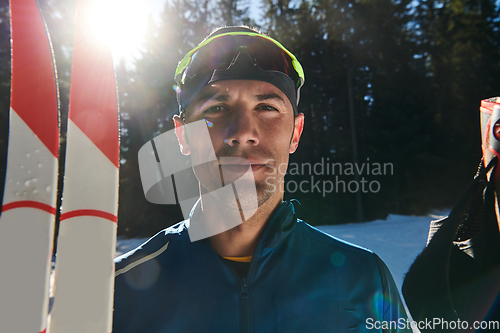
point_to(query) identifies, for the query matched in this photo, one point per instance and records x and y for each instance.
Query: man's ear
(180, 132)
(297, 132)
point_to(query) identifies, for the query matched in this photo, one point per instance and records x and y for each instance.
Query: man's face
(252, 120)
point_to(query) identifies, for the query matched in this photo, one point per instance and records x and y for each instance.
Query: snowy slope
(124, 245)
(396, 240)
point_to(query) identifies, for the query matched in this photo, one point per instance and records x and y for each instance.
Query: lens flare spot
(380, 301)
(176, 88)
(337, 259)
(145, 277)
(209, 123)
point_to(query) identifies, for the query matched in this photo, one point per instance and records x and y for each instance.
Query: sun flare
(121, 24)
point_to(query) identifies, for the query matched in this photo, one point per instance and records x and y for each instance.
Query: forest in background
(387, 81)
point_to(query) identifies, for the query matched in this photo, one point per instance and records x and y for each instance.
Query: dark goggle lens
(219, 53)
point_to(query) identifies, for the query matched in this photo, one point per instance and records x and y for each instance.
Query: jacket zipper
(246, 319)
(245, 306)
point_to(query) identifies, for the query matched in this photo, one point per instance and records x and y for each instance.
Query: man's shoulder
(361, 261)
(323, 239)
(153, 247)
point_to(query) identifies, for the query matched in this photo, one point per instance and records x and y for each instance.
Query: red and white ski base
(26, 231)
(84, 274)
(28, 210)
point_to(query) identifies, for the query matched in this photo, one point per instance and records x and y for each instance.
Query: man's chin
(265, 193)
(244, 197)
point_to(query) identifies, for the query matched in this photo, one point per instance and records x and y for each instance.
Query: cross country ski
(29, 203)
(84, 276)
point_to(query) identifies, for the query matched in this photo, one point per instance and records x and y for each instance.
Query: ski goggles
(239, 55)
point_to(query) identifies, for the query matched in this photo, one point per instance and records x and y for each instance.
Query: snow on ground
(397, 240)
(124, 245)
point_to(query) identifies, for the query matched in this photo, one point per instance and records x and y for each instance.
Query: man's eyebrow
(265, 97)
(208, 96)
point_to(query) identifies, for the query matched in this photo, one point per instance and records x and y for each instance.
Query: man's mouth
(256, 167)
(241, 165)
(242, 168)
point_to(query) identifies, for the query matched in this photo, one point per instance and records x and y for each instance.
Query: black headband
(243, 67)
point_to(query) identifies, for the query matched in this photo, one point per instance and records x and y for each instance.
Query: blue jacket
(299, 280)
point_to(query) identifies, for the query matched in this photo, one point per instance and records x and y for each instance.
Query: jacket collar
(281, 223)
(279, 226)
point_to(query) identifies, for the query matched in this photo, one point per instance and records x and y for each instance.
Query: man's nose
(243, 130)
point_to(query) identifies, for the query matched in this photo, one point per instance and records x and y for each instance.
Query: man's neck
(242, 240)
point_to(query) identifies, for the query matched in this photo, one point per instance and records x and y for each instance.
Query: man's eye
(268, 108)
(214, 110)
